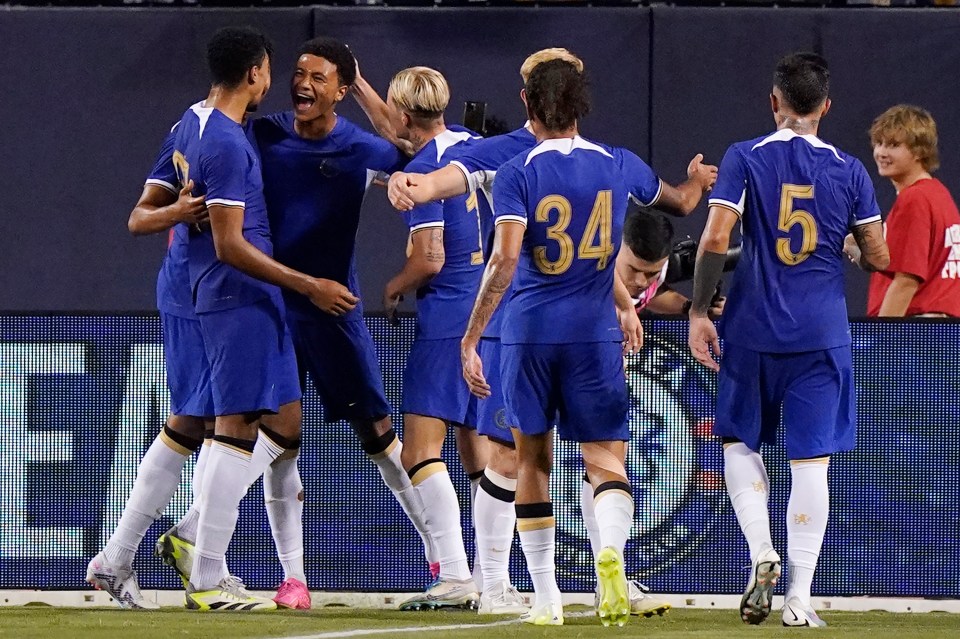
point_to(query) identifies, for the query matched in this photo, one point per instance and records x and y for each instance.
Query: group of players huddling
(526, 304)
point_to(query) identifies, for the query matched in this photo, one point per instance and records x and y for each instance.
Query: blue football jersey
(797, 198)
(314, 191)
(571, 195)
(173, 280)
(214, 152)
(444, 304)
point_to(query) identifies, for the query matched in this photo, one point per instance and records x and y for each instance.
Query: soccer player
(787, 352)
(559, 211)
(236, 296)
(160, 208)
(444, 264)
(473, 170)
(317, 168)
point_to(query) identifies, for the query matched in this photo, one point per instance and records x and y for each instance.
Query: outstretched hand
(704, 174)
(702, 338)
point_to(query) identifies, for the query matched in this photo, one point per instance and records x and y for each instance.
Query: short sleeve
(225, 172)
(509, 201)
(425, 216)
(730, 190)
(163, 173)
(642, 183)
(865, 207)
(384, 156)
(908, 234)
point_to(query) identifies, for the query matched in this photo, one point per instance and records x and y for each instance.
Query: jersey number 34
(596, 243)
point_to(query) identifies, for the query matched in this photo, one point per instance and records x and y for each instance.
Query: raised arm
(233, 248)
(160, 209)
(378, 113)
(684, 198)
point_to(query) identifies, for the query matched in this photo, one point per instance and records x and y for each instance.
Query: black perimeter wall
(88, 94)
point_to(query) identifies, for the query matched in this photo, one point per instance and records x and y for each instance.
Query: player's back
(314, 191)
(444, 304)
(798, 198)
(214, 152)
(572, 197)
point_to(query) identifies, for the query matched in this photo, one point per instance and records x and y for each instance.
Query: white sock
(614, 512)
(158, 477)
(495, 518)
(442, 511)
(589, 516)
(224, 485)
(477, 572)
(397, 480)
(264, 453)
(187, 526)
(539, 549)
(748, 487)
(283, 498)
(807, 514)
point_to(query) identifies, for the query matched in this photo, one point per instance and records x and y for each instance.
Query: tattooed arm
(868, 250)
(496, 281)
(424, 260)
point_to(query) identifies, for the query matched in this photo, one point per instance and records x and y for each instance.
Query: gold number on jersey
(182, 167)
(599, 227)
(473, 207)
(790, 217)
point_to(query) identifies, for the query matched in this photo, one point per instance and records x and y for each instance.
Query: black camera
(683, 258)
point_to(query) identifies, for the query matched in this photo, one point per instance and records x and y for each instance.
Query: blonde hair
(545, 55)
(421, 92)
(910, 125)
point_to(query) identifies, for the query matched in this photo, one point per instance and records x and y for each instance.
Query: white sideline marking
(398, 630)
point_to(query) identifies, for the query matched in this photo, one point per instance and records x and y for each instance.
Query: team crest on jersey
(674, 464)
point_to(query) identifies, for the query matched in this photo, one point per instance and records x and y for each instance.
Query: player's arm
(684, 198)
(866, 247)
(711, 257)
(407, 190)
(160, 209)
(670, 302)
(232, 248)
(627, 315)
(497, 278)
(378, 112)
(899, 295)
(425, 260)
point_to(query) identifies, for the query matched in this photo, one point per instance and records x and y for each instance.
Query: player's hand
(632, 330)
(398, 190)
(704, 174)
(703, 337)
(390, 303)
(716, 307)
(191, 210)
(331, 297)
(473, 371)
(851, 249)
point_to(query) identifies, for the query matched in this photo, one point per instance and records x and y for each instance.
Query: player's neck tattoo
(800, 126)
(418, 141)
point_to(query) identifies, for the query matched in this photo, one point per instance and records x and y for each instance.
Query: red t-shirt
(923, 233)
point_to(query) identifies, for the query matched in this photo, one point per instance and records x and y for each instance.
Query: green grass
(109, 623)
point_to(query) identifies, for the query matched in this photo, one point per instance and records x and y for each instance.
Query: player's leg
(342, 361)
(473, 451)
(283, 499)
(819, 416)
(594, 412)
(746, 417)
(494, 510)
(434, 395)
(532, 404)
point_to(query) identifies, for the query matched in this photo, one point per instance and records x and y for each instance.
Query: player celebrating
(234, 279)
(444, 265)
(560, 233)
(159, 209)
(787, 341)
(472, 170)
(317, 167)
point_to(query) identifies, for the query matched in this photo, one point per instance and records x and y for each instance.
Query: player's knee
(502, 459)
(374, 444)
(191, 427)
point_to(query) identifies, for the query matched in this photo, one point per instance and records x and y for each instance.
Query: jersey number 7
(599, 227)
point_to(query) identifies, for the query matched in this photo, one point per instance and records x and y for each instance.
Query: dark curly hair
(557, 94)
(336, 53)
(233, 51)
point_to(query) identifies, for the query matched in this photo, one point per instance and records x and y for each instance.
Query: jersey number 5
(790, 217)
(599, 227)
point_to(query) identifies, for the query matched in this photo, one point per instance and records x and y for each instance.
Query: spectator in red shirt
(923, 227)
